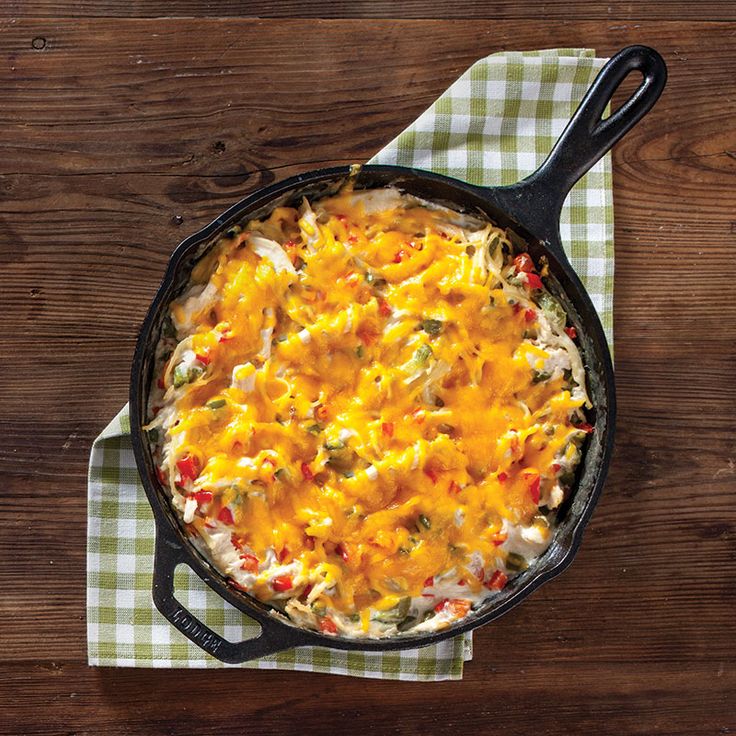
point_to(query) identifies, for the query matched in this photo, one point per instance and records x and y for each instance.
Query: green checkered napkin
(493, 126)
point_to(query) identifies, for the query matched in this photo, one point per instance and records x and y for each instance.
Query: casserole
(531, 209)
(367, 411)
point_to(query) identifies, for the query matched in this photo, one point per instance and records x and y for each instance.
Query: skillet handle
(588, 137)
(273, 637)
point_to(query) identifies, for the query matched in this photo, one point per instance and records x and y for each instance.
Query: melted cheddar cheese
(367, 408)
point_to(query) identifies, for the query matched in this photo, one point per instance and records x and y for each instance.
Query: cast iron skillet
(532, 208)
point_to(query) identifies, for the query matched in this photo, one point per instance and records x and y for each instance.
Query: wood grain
(431, 9)
(120, 137)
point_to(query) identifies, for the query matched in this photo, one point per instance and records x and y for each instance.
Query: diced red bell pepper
(383, 308)
(502, 477)
(203, 358)
(533, 281)
(284, 554)
(457, 606)
(341, 550)
(530, 315)
(188, 467)
(556, 467)
(418, 415)
(388, 429)
(225, 333)
(585, 427)
(307, 472)
(571, 332)
(281, 583)
(249, 563)
(327, 626)
(305, 593)
(431, 474)
(400, 255)
(226, 516)
(534, 489)
(524, 263)
(533, 481)
(203, 497)
(429, 582)
(497, 581)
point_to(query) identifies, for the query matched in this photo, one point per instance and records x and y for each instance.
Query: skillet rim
(167, 525)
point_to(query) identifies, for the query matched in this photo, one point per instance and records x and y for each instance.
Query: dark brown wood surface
(699, 10)
(120, 136)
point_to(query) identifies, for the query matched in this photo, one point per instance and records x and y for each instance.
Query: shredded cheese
(366, 395)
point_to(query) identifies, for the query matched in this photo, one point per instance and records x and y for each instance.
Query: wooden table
(122, 134)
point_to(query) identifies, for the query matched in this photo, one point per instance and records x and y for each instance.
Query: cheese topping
(367, 409)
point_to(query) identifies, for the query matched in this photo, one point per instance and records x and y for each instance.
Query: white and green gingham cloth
(493, 126)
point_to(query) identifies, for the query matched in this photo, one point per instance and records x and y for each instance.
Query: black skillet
(532, 209)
